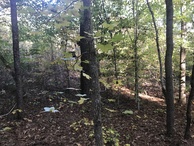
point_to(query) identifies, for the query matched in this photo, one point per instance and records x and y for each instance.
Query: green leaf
(72, 102)
(35, 33)
(78, 38)
(105, 25)
(98, 34)
(78, 5)
(86, 61)
(138, 117)
(82, 100)
(16, 110)
(78, 67)
(67, 55)
(128, 112)
(110, 110)
(86, 75)
(111, 100)
(110, 26)
(6, 129)
(117, 37)
(105, 48)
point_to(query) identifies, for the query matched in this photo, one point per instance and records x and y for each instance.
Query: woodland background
(122, 67)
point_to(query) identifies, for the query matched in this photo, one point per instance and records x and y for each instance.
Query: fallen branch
(1, 116)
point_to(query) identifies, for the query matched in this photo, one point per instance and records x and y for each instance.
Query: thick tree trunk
(189, 108)
(182, 78)
(90, 67)
(16, 53)
(85, 31)
(169, 96)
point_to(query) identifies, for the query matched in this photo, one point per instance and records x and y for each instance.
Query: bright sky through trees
(51, 1)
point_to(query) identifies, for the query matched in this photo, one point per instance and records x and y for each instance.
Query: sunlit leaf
(81, 95)
(98, 34)
(138, 117)
(110, 26)
(60, 92)
(6, 129)
(78, 38)
(50, 109)
(117, 37)
(111, 100)
(86, 75)
(105, 25)
(35, 32)
(128, 112)
(16, 110)
(67, 54)
(72, 89)
(72, 102)
(110, 110)
(82, 100)
(105, 48)
(78, 5)
(86, 61)
(78, 67)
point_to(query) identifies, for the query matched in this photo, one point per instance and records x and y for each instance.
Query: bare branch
(1, 116)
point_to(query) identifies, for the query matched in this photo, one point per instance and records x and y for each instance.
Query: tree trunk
(96, 98)
(16, 53)
(169, 96)
(189, 108)
(85, 47)
(90, 67)
(136, 57)
(158, 48)
(182, 78)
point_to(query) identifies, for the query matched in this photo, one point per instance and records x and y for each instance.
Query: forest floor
(123, 124)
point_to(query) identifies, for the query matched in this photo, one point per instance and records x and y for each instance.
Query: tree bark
(85, 31)
(16, 55)
(169, 96)
(158, 48)
(135, 47)
(182, 78)
(90, 67)
(189, 107)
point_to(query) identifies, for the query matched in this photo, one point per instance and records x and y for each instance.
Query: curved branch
(158, 47)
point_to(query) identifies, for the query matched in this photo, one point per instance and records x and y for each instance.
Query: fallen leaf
(128, 112)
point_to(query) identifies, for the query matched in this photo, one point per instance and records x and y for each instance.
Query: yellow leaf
(110, 110)
(111, 100)
(87, 76)
(81, 101)
(7, 129)
(128, 112)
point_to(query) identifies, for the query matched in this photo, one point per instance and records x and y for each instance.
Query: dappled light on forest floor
(60, 51)
(72, 125)
(130, 93)
(153, 99)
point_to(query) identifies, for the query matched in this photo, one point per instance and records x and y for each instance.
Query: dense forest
(96, 72)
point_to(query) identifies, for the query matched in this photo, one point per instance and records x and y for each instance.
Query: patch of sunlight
(152, 99)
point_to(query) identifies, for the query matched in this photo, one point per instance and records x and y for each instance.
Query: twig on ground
(1, 116)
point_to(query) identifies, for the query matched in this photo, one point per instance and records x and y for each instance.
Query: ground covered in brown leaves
(123, 124)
